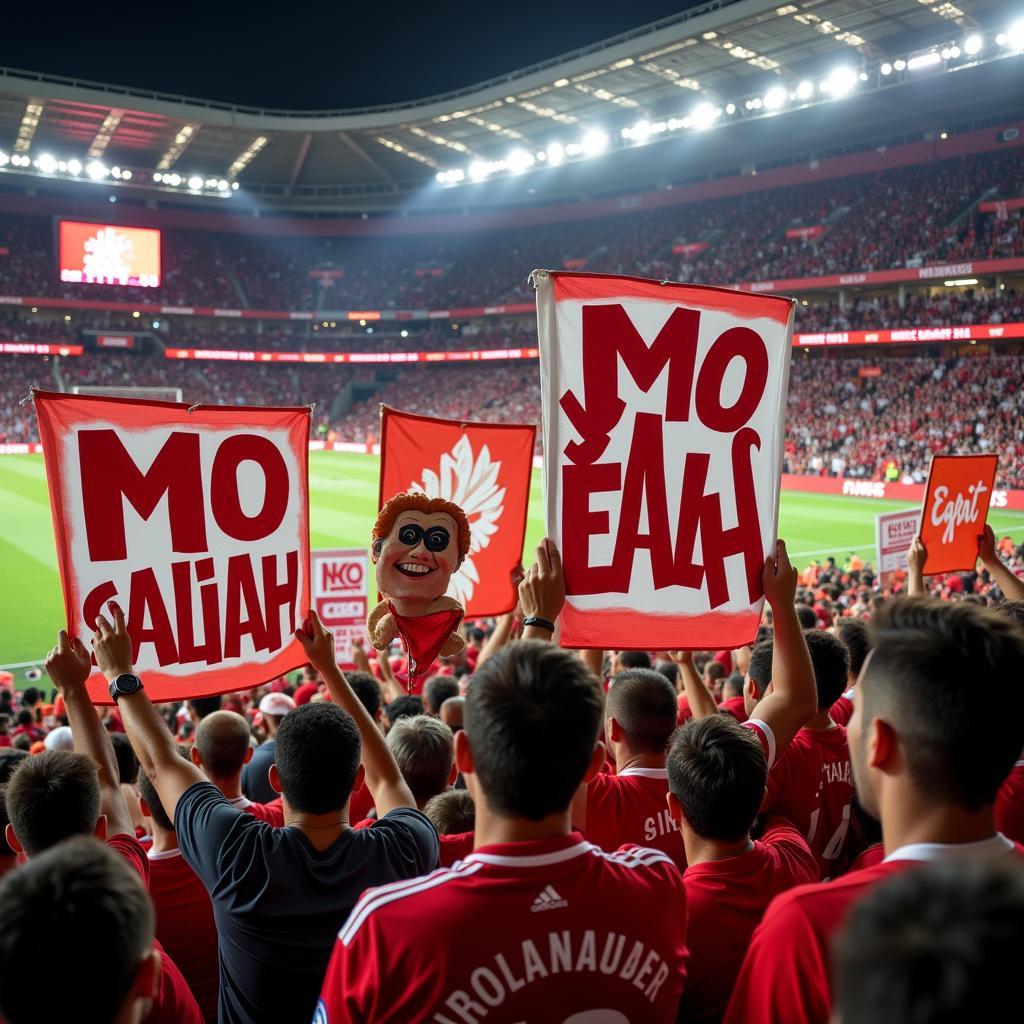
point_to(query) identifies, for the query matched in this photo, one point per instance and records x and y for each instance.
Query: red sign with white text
(663, 409)
(340, 580)
(196, 522)
(485, 468)
(956, 501)
(37, 348)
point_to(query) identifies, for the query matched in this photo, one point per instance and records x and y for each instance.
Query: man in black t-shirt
(280, 895)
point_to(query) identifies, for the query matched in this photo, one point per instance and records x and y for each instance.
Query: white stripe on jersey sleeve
(373, 899)
(641, 856)
(766, 731)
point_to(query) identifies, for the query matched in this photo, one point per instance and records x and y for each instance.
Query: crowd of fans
(748, 835)
(905, 217)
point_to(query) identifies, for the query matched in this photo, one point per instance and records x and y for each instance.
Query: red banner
(688, 248)
(195, 521)
(242, 356)
(1001, 207)
(809, 231)
(644, 465)
(1013, 500)
(115, 341)
(956, 501)
(485, 468)
(575, 263)
(37, 348)
(869, 371)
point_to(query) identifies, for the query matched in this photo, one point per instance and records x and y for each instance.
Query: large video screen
(109, 254)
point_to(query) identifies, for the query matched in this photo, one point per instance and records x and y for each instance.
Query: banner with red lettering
(894, 533)
(196, 520)
(486, 469)
(956, 500)
(663, 412)
(341, 597)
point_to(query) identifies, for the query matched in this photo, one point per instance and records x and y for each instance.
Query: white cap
(60, 739)
(277, 704)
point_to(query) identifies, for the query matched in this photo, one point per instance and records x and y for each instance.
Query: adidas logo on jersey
(548, 900)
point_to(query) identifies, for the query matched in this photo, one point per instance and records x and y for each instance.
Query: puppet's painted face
(418, 556)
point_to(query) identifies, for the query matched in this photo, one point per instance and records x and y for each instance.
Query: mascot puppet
(418, 542)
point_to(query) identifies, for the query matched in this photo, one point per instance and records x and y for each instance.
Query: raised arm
(383, 779)
(153, 744)
(502, 632)
(69, 666)
(542, 591)
(700, 700)
(1011, 585)
(916, 557)
(793, 698)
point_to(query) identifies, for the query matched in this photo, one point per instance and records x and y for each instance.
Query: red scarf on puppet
(418, 542)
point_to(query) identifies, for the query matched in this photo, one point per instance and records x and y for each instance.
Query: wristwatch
(122, 685)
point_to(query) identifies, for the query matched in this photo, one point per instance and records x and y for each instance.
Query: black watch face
(128, 684)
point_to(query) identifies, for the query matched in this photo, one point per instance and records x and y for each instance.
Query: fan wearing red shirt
(717, 772)
(629, 806)
(222, 750)
(811, 784)
(184, 914)
(928, 760)
(61, 794)
(536, 923)
(733, 701)
(853, 634)
(86, 898)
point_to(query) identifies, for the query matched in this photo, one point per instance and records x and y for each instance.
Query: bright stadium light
(556, 153)
(519, 161)
(805, 90)
(47, 163)
(886, 68)
(1015, 35)
(842, 81)
(774, 97)
(173, 179)
(4, 159)
(730, 108)
(126, 175)
(478, 170)
(900, 65)
(594, 142)
(704, 116)
(195, 183)
(924, 60)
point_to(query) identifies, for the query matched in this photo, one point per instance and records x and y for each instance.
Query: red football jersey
(631, 807)
(685, 713)
(360, 804)
(765, 736)
(811, 784)
(543, 930)
(272, 813)
(785, 974)
(725, 901)
(455, 847)
(736, 707)
(1010, 805)
(185, 926)
(842, 710)
(175, 1003)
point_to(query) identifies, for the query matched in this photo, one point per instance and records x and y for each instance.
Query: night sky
(307, 55)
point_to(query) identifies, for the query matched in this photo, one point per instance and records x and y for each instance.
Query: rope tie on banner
(31, 396)
(192, 408)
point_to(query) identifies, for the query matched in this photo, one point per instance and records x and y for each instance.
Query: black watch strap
(536, 620)
(124, 684)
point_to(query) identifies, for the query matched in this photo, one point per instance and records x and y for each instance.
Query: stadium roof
(657, 77)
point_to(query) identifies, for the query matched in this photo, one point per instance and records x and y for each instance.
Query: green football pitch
(343, 496)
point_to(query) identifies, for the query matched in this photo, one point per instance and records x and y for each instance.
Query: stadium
(865, 159)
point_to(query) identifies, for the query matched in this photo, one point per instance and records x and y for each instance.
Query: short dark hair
(922, 678)
(406, 706)
(10, 758)
(717, 770)
(31, 696)
(366, 689)
(714, 670)
(51, 797)
(807, 617)
(451, 812)
(644, 703)
(831, 663)
(127, 762)
(204, 706)
(222, 739)
(937, 944)
(87, 895)
(733, 685)
(148, 792)
(317, 757)
(855, 638)
(634, 659)
(760, 668)
(1012, 609)
(437, 690)
(25, 717)
(423, 749)
(533, 715)
(670, 670)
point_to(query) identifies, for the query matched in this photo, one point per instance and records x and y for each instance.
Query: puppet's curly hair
(415, 501)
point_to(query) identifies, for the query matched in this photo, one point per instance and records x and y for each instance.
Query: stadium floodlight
(594, 142)
(704, 115)
(924, 60)
(405, 334)
(441, 177)
(195, 183)
(115, 172)
(47, 163)
(556, 153)
(519, 161)
(805, 90)
(478, 170)
(4, 158)
(900, 65)
(774, 97)
(126, 175)
(74, 166)
(1015, 35)
(234, 184)
(730, 108)
(886, 68)
(841, 81)
(173, 179)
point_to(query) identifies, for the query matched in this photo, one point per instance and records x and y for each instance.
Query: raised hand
(69, 663)
(318, 642)
(779, 578)
(542, 590)
(112, 644)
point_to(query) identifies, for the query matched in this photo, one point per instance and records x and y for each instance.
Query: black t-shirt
(255, 784)
(279, 902)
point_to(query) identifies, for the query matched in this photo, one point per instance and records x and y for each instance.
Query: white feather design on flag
(472, 484)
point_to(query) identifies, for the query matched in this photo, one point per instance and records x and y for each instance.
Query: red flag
(196, 521)
(483, 467)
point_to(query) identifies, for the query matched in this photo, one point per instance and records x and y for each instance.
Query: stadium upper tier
(904, 217)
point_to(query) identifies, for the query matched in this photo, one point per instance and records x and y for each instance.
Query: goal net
(112, 391)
